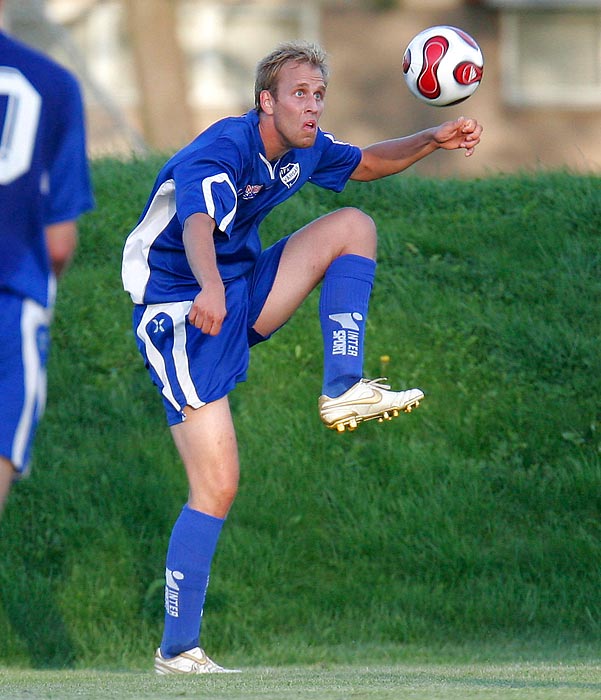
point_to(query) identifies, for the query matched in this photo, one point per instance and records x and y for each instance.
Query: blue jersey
(44, 177)
(223, 173)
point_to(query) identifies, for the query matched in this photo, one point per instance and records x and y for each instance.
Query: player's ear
(266, 99)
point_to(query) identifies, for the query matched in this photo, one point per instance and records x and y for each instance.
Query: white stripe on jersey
(207, 192)
(333, 140)
(177, 311)
(271, 168)
(32, 317)
(135, 271)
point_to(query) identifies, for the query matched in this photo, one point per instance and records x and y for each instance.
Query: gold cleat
(368, 399)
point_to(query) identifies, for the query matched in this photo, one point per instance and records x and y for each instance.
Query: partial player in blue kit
(205, 292)
(44, 188)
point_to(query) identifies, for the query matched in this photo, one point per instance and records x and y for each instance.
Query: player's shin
(191, 548)
(343, 307)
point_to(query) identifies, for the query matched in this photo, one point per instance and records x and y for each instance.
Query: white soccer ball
(443, 66)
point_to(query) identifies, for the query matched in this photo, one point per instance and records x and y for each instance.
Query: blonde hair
(268, 69)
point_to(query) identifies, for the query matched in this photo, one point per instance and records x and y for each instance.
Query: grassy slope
(473, 520)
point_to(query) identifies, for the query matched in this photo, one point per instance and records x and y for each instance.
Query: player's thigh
(306, 256)
(24, 341)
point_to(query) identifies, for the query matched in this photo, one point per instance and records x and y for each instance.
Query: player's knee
(361, 232)
(224, 489)
(227, 492)
(357, 218)
(214, 498)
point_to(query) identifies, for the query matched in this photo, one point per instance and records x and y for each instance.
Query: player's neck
(272, 141)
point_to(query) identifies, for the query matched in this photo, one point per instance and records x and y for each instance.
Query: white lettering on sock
(345, 341)
(172, 592)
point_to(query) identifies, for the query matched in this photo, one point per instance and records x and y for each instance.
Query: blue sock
(343, 308)
(191, 548)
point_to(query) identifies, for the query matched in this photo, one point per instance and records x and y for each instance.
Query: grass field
(476, 518)
(518, 681)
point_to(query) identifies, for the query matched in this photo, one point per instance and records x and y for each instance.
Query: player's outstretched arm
(395, 155)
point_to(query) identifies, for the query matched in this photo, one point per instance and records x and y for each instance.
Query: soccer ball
(443, 66)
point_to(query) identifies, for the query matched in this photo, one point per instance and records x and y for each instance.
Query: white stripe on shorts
(177, 311)
(32, 317)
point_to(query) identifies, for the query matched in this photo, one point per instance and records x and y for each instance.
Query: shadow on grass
(28, 598)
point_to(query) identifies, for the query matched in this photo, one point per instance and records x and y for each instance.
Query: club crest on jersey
(251, 191)
(289, 174)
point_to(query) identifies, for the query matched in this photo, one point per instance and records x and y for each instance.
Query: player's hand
(208, 309)
(461, 133)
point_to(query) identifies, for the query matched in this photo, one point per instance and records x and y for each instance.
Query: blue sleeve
(70, 190)
(337, 163)
(206, 182)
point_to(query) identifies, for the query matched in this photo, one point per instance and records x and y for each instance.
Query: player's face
(298, 104)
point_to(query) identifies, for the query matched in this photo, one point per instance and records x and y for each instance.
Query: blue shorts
(191, 368)
(24, 344)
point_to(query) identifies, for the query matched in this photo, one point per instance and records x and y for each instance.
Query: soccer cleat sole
(351, 423)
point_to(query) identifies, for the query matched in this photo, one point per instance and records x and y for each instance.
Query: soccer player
(205, 292)
(44, 188)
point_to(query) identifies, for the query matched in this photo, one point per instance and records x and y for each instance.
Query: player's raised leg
(207, 445)
(340, 249)
(308, 254)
